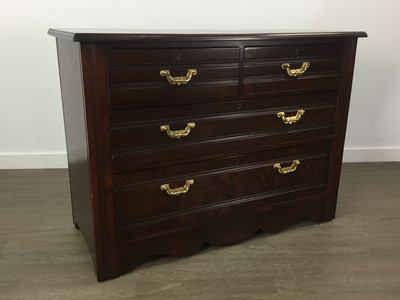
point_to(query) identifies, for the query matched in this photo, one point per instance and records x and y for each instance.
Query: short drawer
(282, 69)
(251, 174)
(165, 77)
(272, 77)
(136, 87)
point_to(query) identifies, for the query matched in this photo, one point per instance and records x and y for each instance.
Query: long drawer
(144, 158)
(150, 138)
(197, 129)
(129, 116)
(170, 190)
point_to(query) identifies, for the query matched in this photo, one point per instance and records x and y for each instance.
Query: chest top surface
(108, 35)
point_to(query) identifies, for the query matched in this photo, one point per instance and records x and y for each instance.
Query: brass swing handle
(177, 191)
(287, 170)
(177, 134)
(291, 119)
(296, 72)
(179, 79)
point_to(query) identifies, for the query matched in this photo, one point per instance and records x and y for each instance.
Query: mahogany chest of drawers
(176, 140)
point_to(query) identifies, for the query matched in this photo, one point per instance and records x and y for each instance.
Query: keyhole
(236, 160)
(299, 52)
(178, 56)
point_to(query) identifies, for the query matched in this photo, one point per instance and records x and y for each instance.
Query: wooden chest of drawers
(175, 140)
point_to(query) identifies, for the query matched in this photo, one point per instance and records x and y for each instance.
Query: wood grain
(131, 205)
(148, 134)
(252, 105)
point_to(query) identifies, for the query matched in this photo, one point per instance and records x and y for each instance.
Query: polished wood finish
(77, 144)
(148, 134)
(181, 55)
(234, 99)
(210, 186)
(326, 50)
(129, 35)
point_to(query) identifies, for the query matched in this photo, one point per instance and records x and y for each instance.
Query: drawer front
(141, 144)
(155, 134)
(122, 117)
(162, 77)
(272, 69)
(257, 174)
(169, 155)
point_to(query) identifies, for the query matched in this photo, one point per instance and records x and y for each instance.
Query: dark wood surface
(156, 110)
(342, 110)
(217, 185)
(97, 117)
(144, 177)
(230, 154)
(81, 184)
(97, 35)
(168, 55)
(171, 155)
(148, 134)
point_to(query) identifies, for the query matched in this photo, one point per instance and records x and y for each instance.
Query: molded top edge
(108, 35)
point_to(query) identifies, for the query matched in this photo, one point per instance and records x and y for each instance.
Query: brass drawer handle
(287, 170)
(179, 79)
(291, 119)
(178, 191)
(296, 72)
(177, 134)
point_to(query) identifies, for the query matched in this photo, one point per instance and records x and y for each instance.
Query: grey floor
(356, 256)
